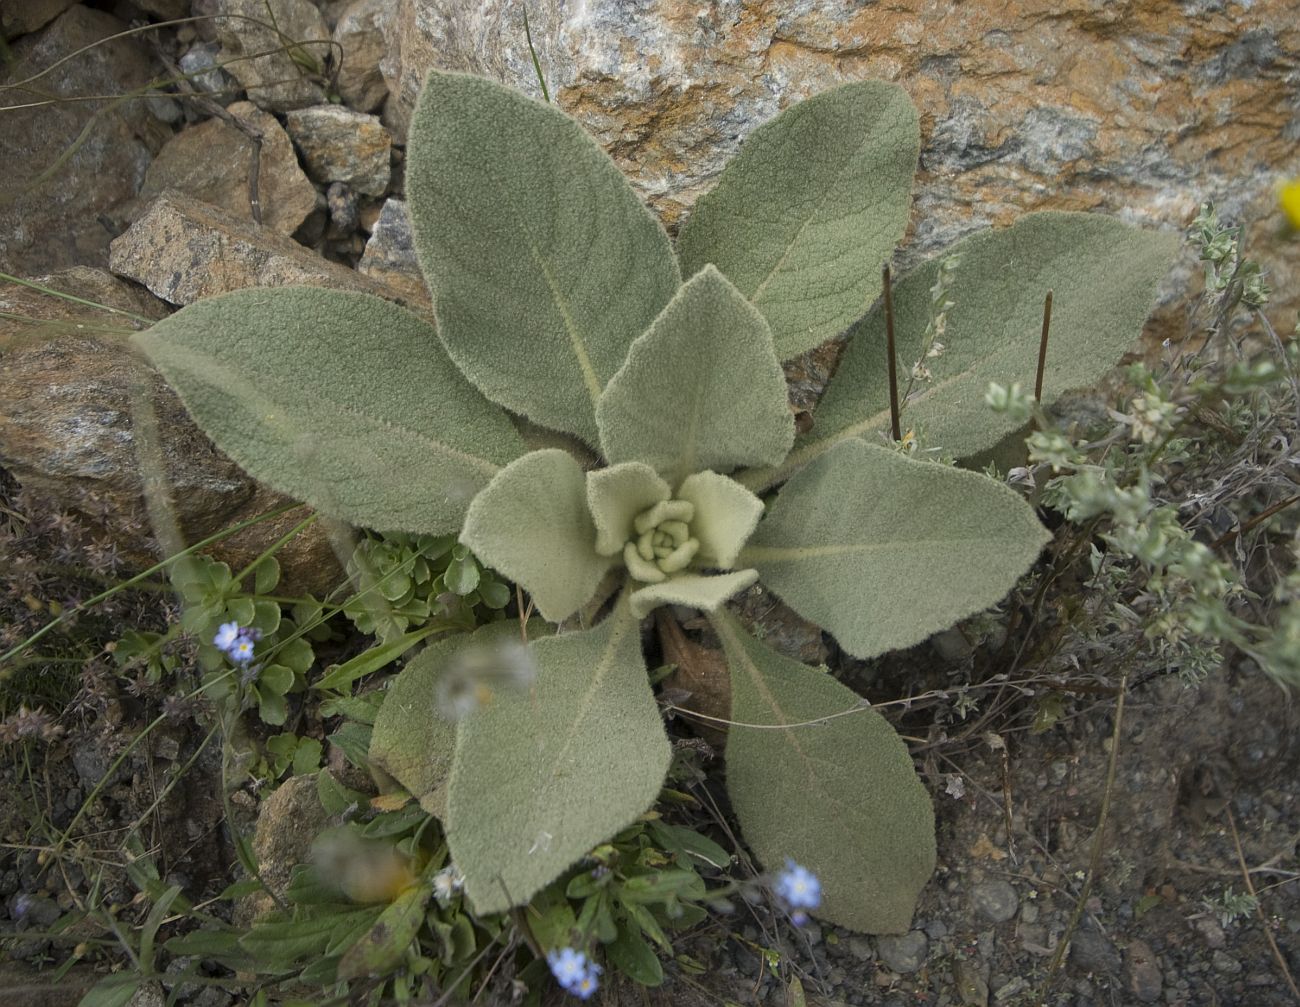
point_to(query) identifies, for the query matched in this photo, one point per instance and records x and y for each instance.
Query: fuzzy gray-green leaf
(883, 551)
(532, 524)
(1103, 274)
(802, 219)
(543, 264)
(706, 592)
(839, 797)
(339, 399)
(540, 778)
(701, 389)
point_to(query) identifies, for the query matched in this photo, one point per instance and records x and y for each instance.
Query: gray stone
(1090, 951)
(1209, 929)
(52, 223)
(211, 161)
(201, 63)
(340, 145)
(905, 953)
(390, 258)
(288, 75)
(182, 249)
(996, 901)
(860, 948)
(34, 912)
(1145, 980)
(360, 35)
(1225, 963)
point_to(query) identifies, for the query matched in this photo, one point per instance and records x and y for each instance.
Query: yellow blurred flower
(1289, 197)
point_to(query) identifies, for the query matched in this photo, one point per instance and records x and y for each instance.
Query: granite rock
(389, 257)
(360, 35)
(211, 161)
(1137, 108)
(40, 198)
(70, 393)
(340, 145)
(182, 249)
(290, 74)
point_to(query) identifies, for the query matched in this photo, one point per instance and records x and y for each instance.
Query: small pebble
(905, 953)
(996, 901)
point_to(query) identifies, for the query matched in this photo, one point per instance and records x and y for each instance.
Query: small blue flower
(242, 650)
(799, 889)
(574, 972)
(227, 636)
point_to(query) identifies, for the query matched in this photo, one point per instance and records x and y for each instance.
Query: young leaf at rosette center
(531, 523)
(838, 796)
(616, 495)
(707, 592)
(339, 399)
(541, 778)
(882, 551)
(701, 389)
(804, 216)
(1103, 276)
(543, 264)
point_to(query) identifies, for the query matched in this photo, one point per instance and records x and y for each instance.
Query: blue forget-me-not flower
(574, 972)
(799, 889)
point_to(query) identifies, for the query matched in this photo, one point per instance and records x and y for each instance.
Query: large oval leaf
(540, 778)
(543, 264)
(339, 399)
(805, 215)
(816, 776)
(883, 551)
(1103, 275)
(701, 389)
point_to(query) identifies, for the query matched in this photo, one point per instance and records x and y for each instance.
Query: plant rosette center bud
(663, 544)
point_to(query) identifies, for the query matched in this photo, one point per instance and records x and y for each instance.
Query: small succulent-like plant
(558, 297)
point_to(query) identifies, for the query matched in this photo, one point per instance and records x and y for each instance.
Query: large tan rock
(70, 393)
(360, 37)
(1134, 107)
(183, 249)
(211, 161)
(64, 164)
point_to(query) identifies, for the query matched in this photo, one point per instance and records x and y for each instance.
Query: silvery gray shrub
(560, 299)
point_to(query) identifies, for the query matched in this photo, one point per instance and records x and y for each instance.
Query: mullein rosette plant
(559, 298)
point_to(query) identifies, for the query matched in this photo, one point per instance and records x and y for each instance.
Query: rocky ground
(254, 175)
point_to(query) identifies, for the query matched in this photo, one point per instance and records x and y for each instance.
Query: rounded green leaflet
(543, 264)
(803, 217)
(816, 776)
(1103, 275)
(339, 399)
(882, 551)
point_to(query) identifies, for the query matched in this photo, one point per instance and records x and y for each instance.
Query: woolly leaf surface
(532, 524)
(703, 591)
(412, 740)
(725, 516)
(701, 389)
(616, 495)
(540, 778)
(543, 264)
(1103, 274)
(883, 551)
(339, 399)
(804, 216)
(839, 797)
